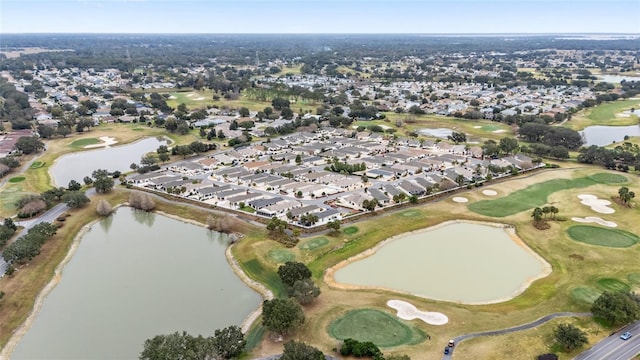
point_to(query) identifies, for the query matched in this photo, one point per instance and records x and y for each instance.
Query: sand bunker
(407, 311)
(190, 95)
(172, 97)
(597, 205)
(460, 199)
(595, 219)
(490, 192)
(106, 141)
(199, 98)
(500, 131)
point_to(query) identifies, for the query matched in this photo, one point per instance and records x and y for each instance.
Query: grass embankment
(605, 114)
(575, 265)
(536, 195)
(381, 328)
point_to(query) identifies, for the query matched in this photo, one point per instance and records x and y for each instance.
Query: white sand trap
(499, 131)
(477, 127)
(597, 205)
(490, 192)
(407, 311)
(200, 98)
(172, 97)
(460, 199)
(595, 219)
(190, 95)
(106, 141)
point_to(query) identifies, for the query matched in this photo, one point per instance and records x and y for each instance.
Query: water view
(616, 79)
(605, 135)
(136, 275)
(439, 132)
(460, 262)
(77, 165)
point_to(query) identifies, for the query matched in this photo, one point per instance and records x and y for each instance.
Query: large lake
(618, 78)
(136, 275)
(77, 165)
(460, 262)
(605, 135)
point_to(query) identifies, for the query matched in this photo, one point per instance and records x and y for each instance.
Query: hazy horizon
(411, 17)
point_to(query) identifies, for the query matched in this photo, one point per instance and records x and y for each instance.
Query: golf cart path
(530, 325)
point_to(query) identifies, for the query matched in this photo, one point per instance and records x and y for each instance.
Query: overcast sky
(315, 16)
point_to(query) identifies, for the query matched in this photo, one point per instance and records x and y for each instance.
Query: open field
(537, 194)
(604, 114)
(575, 266)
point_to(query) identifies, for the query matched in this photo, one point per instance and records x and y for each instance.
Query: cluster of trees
(7, 229)
(626, 195)
(355, 348)
(345, 168)
(622, 157)
(506, 146)
(617, 308)
(195, 147)
(7, 164)
(537, 132)
(141, 201)
(30, 205)
(541, 215)
(27, 246)
(296, 278)
(224, 223)
(15, 106)
(227, 343)
(279, 231)
(29, 144)
(102, 180)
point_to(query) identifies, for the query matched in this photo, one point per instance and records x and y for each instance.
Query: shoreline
(329, 274)
(18, 334)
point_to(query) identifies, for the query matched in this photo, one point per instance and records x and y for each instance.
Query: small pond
(605, 135)
(439, 132)
(456, 261)
(77, 165)
(135, 275)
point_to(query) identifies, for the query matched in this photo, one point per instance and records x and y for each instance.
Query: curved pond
(439, 132)
(606, 135)
(618, 78)
(456, 261)
(135, 275)
(77, 165)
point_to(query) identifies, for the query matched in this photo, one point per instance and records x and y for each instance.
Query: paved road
(276, 357)
(530, 325)
(614, 348)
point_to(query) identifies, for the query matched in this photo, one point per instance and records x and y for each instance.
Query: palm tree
(537, 215)
(546, 210)
(626, 195)
(554, 211)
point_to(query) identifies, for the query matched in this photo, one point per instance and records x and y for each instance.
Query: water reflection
(106, 222)
(144, 217)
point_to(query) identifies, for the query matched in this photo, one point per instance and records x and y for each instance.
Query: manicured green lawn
(254, 269)
(80, 143)
(634, 277)
(248, 209)
(536, 195)
(585, 294)
(350, 230)
(313, 244)
(410, 213)
(281, 256)
(602, 237)
(381, 328)
(16, 179)
(608, 111)
(610, 284)
(36, 165)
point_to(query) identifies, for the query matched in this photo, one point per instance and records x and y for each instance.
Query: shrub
(104, 208)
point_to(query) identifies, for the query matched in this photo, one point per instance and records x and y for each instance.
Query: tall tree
(281, 315)
(293, 271)
(618, 308)
(570, 337)
(229, 342)
(294, 350)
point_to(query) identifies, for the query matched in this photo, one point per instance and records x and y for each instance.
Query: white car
(626, 336)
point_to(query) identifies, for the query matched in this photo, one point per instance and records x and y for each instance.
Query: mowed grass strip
(613, 285)
(17, 179)
(585, 294)
(315, 243)
(281, 256)
(594, 235)
(537, 194)
(379, 327)
(36, 165)
(350, 230)
(634, 277)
